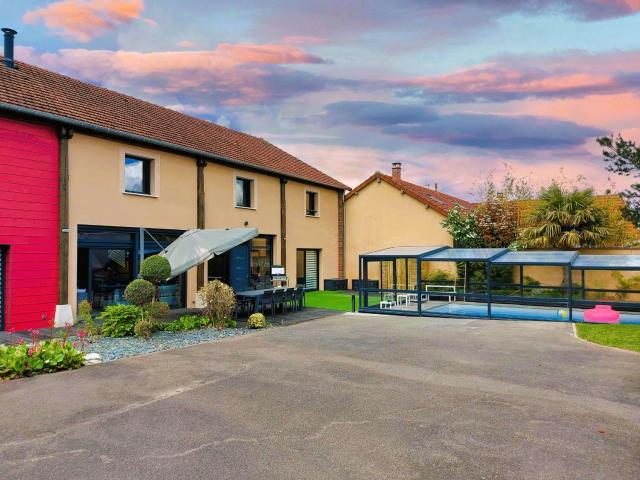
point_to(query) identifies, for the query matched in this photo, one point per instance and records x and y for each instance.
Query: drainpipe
(200, 212)
(283, 223)
(342, 220)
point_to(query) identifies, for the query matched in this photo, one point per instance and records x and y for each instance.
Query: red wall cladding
(29, 222)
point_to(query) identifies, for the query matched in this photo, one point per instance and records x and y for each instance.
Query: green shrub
(143, 329)
(140, 292)
(84, 312)
(440, 276)
(187, 322)
(218, 302)
(119, 320)
(257, 320)
(230, 323)
(158, 326)
(155, 269)
(23, 360)
(157, 310)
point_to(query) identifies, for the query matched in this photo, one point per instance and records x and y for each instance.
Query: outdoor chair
(298, 296)
(267, 301)
(278, 301)
(243, 305)
(289, 299)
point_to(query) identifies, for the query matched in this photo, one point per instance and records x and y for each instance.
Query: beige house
(387, 211)
(133, 176)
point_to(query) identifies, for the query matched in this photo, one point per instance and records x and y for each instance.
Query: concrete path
(345, 397)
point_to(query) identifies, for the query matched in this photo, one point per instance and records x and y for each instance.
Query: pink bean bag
(601, 314)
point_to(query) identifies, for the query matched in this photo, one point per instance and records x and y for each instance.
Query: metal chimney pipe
(9, 34)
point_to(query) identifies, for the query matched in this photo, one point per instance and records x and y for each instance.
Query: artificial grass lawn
(338, 300)
(621, 336)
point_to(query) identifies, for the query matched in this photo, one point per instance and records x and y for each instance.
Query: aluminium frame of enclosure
(569, 260)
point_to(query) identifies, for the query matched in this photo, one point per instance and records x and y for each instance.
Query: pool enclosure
(497, 283)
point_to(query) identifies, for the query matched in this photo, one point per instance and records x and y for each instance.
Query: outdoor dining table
(256, 296)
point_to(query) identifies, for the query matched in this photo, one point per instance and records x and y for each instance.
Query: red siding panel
(29, 222)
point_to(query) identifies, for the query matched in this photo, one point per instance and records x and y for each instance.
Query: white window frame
(254, 190)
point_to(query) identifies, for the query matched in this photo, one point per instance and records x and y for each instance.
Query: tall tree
(566, 219)
(623, 157)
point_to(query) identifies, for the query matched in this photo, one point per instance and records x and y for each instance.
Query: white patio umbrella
(197, 246)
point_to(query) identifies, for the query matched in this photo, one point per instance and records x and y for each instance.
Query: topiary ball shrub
(143, 329)
(155, 269)
(140, 292)
(257, 320)
(157, 310)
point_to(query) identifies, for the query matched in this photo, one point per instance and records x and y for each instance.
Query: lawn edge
(575, 335)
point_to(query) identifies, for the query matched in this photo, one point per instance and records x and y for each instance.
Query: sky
(455, 90)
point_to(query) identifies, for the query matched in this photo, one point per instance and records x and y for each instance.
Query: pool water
(521, 313)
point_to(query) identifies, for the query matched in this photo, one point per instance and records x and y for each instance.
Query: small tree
(497, 221)
(140, 292)
(623, 157)
(566, 220)
(461, 226)
(218, 301)
(155, 269)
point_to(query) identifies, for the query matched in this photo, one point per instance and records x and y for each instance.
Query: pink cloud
(304, 40)
(497, 80)
(231, 74)
(513, 77)
(83, 20)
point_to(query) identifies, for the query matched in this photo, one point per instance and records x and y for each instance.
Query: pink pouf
(601, 314)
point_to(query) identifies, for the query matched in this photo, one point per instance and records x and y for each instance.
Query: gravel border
(111, 349)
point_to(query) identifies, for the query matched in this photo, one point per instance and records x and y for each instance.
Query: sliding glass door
(109, 258)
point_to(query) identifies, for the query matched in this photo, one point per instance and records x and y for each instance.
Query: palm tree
(566, 220)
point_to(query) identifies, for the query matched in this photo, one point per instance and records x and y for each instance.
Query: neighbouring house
(386, 211)
(92, 181)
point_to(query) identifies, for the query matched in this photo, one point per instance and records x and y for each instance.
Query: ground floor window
(308, 268)
(109, 258)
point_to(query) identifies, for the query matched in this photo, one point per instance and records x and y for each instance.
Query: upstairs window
(137, 175)
(312, 204)
(244, 192)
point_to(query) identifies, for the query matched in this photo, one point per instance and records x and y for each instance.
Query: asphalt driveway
(345, 397)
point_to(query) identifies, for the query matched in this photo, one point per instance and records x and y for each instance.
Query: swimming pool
(520, 313)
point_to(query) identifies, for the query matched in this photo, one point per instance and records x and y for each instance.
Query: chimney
(435, 186)
(396, 171)
(8, 47)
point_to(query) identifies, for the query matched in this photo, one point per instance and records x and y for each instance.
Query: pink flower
(30, 352)
(20, 341)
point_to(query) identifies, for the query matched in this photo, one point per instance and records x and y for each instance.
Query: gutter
(81, 124)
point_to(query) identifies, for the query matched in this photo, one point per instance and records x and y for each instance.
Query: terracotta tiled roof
(40, 90)
(440, 202)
